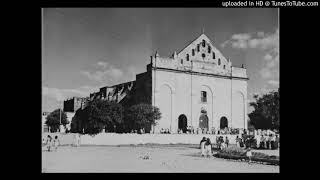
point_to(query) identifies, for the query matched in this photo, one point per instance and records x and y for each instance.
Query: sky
(84, 49)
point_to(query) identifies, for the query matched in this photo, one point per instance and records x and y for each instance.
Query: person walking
(202, 146)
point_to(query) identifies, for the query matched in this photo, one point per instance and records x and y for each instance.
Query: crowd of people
(225, 131)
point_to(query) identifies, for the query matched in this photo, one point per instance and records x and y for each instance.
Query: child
(249, 154)
(56, 143)
(49, 143)
(202, 146)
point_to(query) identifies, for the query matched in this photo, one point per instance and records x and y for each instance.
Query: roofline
(190, 43)
(199, 73)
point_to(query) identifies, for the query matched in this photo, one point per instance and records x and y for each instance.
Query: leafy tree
(142, 116)
(266, 111)
(53, 120)
(78, 121)
(96, 116)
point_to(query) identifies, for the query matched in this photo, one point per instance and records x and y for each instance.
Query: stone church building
(195, 87)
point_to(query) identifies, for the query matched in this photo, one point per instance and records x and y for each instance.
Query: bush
(238, 153)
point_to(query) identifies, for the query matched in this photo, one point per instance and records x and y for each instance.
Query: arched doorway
(182, 123)
(203, 121)
(223, 122)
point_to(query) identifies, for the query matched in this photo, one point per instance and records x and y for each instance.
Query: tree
(266, 111)
(53, 120)
(98, 115)
(142, 116)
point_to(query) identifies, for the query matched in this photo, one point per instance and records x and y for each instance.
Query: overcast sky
(88, 48)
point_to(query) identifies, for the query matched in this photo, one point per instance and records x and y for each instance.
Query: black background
(299, 45)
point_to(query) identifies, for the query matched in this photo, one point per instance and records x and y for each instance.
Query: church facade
(195, 87)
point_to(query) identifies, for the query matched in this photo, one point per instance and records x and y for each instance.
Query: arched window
(203, 55)
(209, 49)
(219, 61)
(203, 96)
(198, 47)
(192, 52)
(203, 43)
(187, 57)
(213, 55)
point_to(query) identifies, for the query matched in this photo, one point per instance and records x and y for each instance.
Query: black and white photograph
(160, 90)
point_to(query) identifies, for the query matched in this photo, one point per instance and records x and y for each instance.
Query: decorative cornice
(199, 73)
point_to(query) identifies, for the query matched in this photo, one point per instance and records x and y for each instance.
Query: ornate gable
(199, 56)
(202, 50)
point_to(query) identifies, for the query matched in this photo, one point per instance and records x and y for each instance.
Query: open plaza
(111, 152)
(144, 158)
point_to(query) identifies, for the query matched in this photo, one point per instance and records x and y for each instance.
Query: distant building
(74, 103)
(195, 87)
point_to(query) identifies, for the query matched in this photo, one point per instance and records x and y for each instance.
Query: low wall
(122, 139)
(126, 139)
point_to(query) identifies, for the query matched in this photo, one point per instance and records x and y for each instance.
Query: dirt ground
(162, 158)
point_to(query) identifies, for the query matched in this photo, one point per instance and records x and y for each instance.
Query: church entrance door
(182, 123)
(223, 122)
(203, 121)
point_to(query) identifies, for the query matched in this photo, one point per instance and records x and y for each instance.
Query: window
(192, 52)
(181, 61)
(198, 47)
(219, 62)
(187, 57)
(224, 66)
(203, 43)
(203, 96)
(203, 55)
(213, 55)
(209, 49)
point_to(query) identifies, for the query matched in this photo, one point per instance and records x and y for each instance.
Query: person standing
(208, 147)
(202, 146)
(237, 141)
(262, 142)
(249, 154)
(227, 141)
(56, 143)
(257, 138)
(49, 143)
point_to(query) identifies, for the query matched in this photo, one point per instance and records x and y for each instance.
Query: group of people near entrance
(222, 143)
(206, 145)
